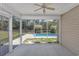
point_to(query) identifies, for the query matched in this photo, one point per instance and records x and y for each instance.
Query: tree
(16, 23)
(52, 26)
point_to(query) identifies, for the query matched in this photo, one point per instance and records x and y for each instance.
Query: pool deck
(26, 36)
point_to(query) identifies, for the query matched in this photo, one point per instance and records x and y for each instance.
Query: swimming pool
(45, 35)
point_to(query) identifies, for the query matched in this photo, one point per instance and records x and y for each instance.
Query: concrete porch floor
(52, 49)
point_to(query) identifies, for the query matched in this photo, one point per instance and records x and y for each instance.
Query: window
(4, 40)
(28, 26)
(39, 30)
(16, 31)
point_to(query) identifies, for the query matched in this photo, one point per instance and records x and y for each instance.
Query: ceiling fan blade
(50, 8)
(37, 5)
(37, 9)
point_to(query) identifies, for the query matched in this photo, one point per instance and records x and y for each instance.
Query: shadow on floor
(5, 49)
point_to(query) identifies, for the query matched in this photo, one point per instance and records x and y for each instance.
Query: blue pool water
(39, 35)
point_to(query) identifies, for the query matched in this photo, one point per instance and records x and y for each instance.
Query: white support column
(47, 29)
(34, 27)
(60, 31)
(10, 35)
(20, 31)
(57, 30)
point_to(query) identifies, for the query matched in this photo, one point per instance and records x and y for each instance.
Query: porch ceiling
(28, 8)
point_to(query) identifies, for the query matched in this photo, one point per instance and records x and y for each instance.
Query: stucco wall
(70, 30)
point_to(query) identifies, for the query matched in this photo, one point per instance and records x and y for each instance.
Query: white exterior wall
(70, 30)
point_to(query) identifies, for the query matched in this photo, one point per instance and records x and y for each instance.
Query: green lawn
(4, 36)
(41, 40)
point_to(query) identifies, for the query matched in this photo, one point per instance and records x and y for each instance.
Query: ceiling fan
(44, 7)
